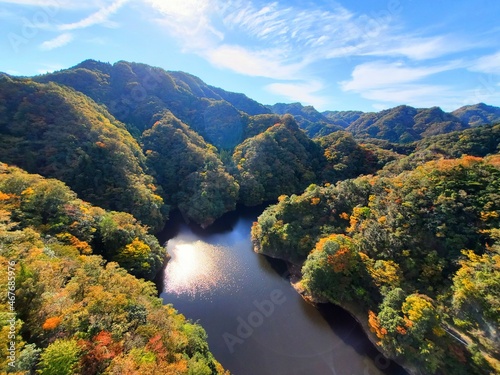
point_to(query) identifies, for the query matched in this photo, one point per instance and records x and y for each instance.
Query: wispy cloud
(189, 21)
(375, 75)
(57, 42)
(416, 47)
(398, 83)
(99, 17)
(281, 41)
(489, 64)
(57, 4)
(287, 41)
(304, 92)
(48, 68)
(264, 63)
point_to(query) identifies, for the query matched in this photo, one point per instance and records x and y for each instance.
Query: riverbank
(360, 316)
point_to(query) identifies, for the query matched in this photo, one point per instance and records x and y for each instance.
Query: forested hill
(60, 133)
(394, 213)
(137, 93)
(134, 93)
(402, 124)
(75, 313)
(139, 139)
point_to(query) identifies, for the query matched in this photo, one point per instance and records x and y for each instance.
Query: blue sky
(361, 55)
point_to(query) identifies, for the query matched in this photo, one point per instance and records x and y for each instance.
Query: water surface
(257, 324)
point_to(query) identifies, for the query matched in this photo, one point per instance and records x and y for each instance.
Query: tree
(60, 358)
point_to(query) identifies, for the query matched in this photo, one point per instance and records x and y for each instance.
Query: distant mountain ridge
(400, 124)
(178, 142)
(478, 114)
(135, 93)
(405, 124)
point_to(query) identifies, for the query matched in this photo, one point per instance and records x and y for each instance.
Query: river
(257, 324)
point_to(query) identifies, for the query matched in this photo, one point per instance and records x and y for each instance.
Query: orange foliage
(103, 338)
(315, 201)
(493, 160)
(98, 352)
(100, 144)
(344, 215)
(3, 196)
(340, 260)
(282, 197)
(82, 246)
(401, 330)
(155, 344)
(52, 323)
(374, 324)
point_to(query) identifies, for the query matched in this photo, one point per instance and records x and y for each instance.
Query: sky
(363, 55)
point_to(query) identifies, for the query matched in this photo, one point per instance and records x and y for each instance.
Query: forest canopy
(75, 311)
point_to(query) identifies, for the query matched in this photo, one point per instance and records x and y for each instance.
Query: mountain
(400, 124)
(478, 114)
(342, 118)
(308, 118)
(405, 124)
(136, 93)
(281, 160)
(189, 171)
(78, 312)
(391, 251)
(58, 132)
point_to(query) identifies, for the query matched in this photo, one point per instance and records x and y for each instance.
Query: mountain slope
(281, 160)
(60, 133)
(189, 171)
(75, 312)
(342, 118)
(308, 118)
(478, 114)
(137, 93)
(405, 124)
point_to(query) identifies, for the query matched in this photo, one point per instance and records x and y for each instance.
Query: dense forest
(416, 253)
(75, 311)
(394, 215)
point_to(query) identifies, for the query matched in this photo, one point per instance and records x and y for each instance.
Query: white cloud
(389, 84)
(266, 63)
(418, 48)
(189, 22)
(381, 74)
(49, 68)
(420, 96)
(487, 64)
(304, 92)
(99, 17)
(57, 42)
(250, 34)
(55, 5)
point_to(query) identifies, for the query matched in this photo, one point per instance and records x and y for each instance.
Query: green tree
(60, 358)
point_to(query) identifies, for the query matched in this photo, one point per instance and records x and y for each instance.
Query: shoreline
(295, 278)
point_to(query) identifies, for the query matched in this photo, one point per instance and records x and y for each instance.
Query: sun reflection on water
(197, 268)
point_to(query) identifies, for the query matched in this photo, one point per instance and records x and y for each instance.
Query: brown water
(256, 322)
